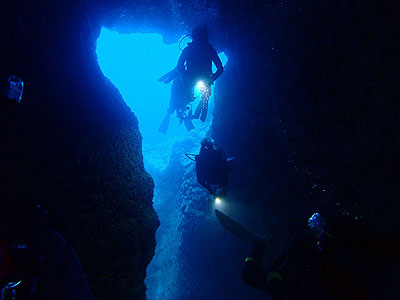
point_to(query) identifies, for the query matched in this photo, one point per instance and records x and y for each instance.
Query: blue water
(134, 62)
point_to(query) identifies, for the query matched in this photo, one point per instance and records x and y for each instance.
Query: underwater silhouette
(36, 260)
(212, 169)
(327, 262)
(194, 69)
(195, 64)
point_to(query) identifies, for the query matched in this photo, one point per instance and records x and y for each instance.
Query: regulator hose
(179, 45)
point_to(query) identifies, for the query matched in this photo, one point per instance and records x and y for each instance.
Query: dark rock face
(314, 107)
(73, 144)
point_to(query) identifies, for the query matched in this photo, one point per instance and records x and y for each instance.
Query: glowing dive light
(201, 88)
(217, 200)
(201, 84)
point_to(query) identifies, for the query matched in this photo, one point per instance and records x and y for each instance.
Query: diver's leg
(165, 122)
(204, 111)
(190, 111)
(173, 103)
(202, 108)
(197, 111)
(204, 100)
(253, 274)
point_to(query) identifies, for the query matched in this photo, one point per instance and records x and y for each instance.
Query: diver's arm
(180, 66)
(217, 61)
(203, 182)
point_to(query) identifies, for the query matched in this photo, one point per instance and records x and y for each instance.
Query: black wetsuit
(199, 57)
(289, 275)
(179, 99)
(332, 272)
(212, 169)
(43, 261)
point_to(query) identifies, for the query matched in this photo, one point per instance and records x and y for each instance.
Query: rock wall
(308, 105)
(312, 114)
(73, 144)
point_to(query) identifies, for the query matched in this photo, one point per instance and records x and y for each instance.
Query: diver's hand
(212, 79)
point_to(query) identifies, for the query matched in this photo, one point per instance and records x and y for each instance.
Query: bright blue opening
(134, 62)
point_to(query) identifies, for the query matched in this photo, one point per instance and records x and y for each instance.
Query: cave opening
(133, 62)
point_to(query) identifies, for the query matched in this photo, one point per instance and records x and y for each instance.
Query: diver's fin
(235, 228)
(168, 77)
(164, 124)
(188, 124)
(197, 111)
(204, 111)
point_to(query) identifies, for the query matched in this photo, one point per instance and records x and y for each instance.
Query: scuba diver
(329, 262)
(194, 67)
(36, 261)
(212, 168)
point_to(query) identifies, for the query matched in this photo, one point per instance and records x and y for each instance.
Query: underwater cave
(307, 106)
(134, 62)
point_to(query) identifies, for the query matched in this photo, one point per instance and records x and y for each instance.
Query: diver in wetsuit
(212, 168)
(195, 65)
(36, 261)
(323, 266)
